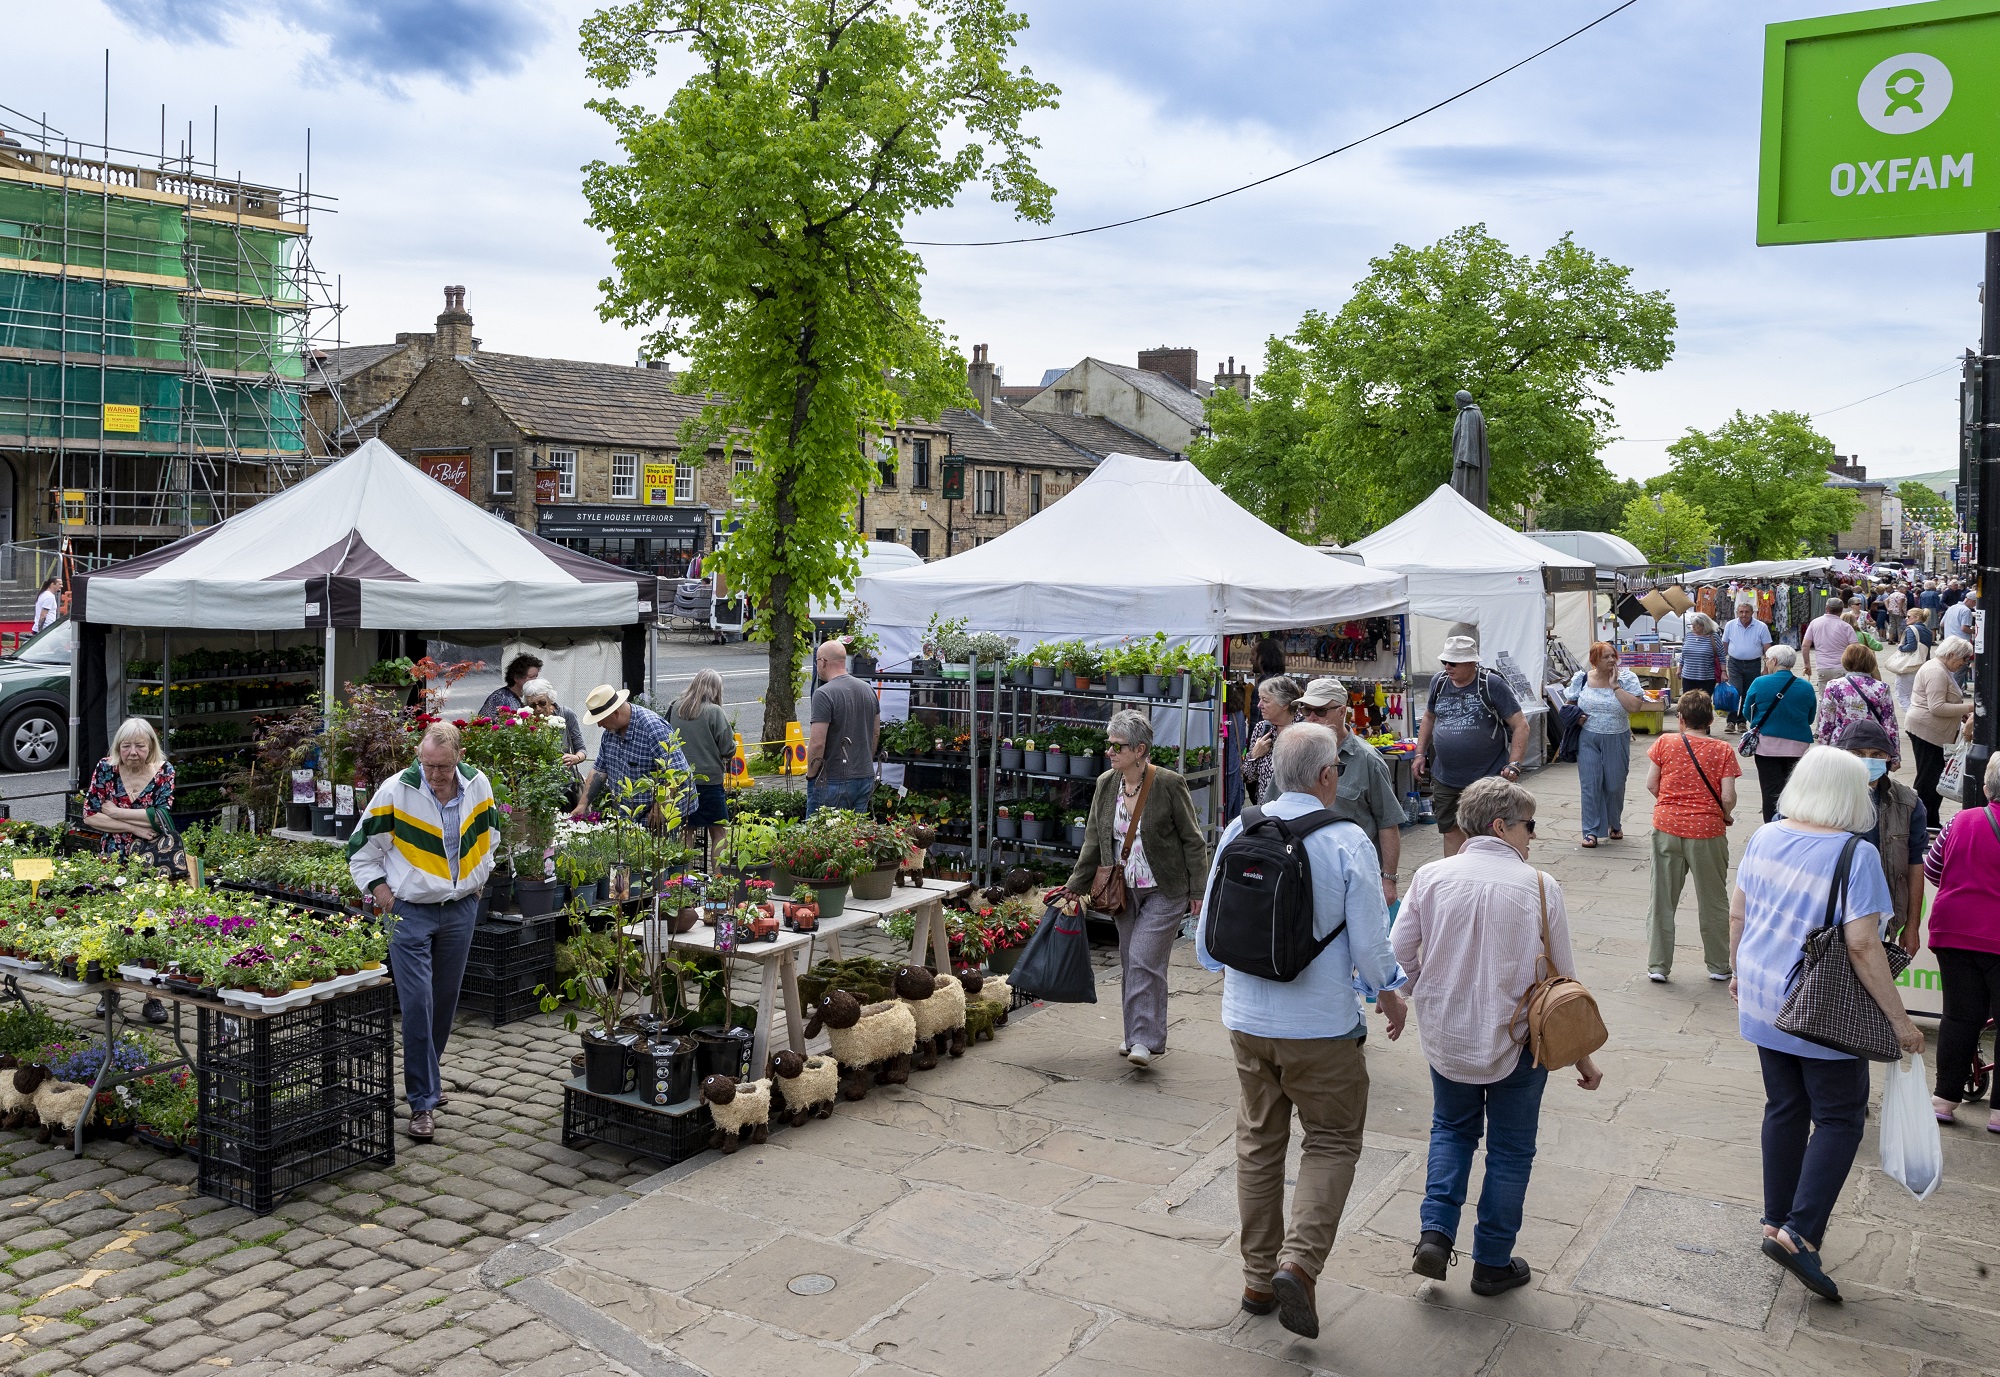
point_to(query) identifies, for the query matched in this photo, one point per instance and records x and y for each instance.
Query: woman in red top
(1965, 938)
(1694, 778)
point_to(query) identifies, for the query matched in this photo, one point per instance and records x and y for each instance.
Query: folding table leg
(767, 1009)
(795, 1014)
(940, 936)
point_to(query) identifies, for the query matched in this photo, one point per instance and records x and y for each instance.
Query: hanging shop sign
(548, 487)
(1878, 124)
(952, 486)
(657, 489)
(454, 470)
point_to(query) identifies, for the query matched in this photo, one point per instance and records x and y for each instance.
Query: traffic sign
(1878, 125)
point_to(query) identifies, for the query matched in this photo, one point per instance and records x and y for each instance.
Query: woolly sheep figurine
(988, 989)
(803, 1087)
(741, 1109)
(59, 1104)
(18, 1085)
(873, 1039)
(937, 1002)
(981, 1017)
(910, 870)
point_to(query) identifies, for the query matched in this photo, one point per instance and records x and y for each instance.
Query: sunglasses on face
(1528, 823)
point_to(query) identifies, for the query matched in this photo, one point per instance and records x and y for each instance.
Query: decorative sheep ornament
(874, 1040)
(987, 989)
(937, 1003)
(803, 1087)
(741, 1109)
(59, 1104)
(910, 870)
(18, 1085)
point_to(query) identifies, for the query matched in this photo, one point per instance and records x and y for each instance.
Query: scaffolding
(156, 323)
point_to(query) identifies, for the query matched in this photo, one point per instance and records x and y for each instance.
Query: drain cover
(811, 1284)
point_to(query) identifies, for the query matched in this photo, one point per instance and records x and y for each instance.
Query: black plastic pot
(538, 896)
(322, 821)
(722, 1051)
(343, 825)
(299, 817)
(861, 666)
(1044, 676)
(666, 1073)
(607, 1067)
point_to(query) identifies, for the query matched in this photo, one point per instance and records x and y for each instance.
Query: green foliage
(1762, 481)
(1567, 511)
(22, 1029)
(1350, 424)
(1669, 529)
(1927, 505)
(770, 802)
(757, 221)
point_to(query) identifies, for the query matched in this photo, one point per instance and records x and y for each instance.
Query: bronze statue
(1469, 457)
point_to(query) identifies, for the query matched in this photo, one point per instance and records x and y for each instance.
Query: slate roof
(1170, 394)
(592, 403)
(1100, 436)
(338, 365)
(1013, 438)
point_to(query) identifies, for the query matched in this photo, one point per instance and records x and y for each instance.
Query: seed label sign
(1881, 124)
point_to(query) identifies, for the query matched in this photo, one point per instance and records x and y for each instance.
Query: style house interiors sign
(1881, 124)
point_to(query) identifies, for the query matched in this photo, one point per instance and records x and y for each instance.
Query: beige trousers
(1326, 1080)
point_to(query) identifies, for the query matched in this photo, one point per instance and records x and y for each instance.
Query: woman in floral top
(1855, 695)
(133, 778)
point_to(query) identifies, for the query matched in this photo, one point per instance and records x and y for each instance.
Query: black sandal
(1803, 1264)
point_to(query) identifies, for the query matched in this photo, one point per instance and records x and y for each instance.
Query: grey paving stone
(443, 1232)
(185, 1353)
(1692, 1255)
(173, 1331)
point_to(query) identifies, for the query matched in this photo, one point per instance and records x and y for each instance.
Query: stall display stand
(667, 1133)
(15, 982)
(928, 904)
(777, 960)
(509, 961)
(287, 1099)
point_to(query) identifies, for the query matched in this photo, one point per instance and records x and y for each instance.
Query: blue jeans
(1803, 1175)
(855, 795)
(1603, 759)
(1510, 1111)
(428, 947)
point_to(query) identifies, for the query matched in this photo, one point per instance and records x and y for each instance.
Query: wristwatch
(1513, 768)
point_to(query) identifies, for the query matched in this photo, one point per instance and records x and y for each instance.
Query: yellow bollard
(795, 749)
(736, 775)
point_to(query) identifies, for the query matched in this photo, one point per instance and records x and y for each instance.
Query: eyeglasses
(1122, 746)
(1528, 823)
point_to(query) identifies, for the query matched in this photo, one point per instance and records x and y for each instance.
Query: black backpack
(1260, 911)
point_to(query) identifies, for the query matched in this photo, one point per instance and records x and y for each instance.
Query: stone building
(1876, 531)
(1162, 399)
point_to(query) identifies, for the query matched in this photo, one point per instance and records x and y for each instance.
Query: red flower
(459, 722)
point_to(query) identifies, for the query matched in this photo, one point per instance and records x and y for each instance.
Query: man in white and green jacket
(424, 850)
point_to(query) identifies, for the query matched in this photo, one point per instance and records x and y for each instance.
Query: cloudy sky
(451, 132)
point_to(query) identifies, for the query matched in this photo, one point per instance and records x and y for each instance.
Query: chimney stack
(979, 377)
(1182, 365)
(1229, 378)
(453, 339)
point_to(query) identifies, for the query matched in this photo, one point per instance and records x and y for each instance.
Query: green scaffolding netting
(236, 258)
(47, 225)
(39, 312)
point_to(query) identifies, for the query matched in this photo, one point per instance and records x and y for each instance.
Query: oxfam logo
(1904, 93)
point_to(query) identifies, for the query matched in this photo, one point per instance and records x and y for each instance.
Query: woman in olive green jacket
(1164, 873)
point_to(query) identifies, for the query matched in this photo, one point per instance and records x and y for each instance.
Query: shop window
(624, 476)
(886, 534)
(987, 492)
(920, 540)
(503, 473)
(684, 483)
(563, 461)
(920, 463)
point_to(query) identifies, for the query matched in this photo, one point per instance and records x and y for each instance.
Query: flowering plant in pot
(1005, 825)
(1010, 754)
(1033, 758)
(1032, 826)
(883, 846)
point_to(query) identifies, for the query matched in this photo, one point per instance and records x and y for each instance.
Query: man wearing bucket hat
(636, 742)
(1367, 795)
(1473, 729)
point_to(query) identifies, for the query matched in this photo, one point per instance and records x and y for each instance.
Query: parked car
(34, 700)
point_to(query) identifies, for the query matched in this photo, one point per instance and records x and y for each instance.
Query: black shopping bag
(1055, 965)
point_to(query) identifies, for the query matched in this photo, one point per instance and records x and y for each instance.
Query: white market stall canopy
(1141, 545)
(1612, 554)
(370, 542)
(1463, 566)
(1760, 569)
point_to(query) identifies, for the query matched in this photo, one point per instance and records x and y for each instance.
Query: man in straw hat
(1473, 729)
(636, 742)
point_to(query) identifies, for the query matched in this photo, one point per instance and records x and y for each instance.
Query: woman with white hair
(539, 695)
(709, 740)
(1815, 1099)
(1702, 655)
(1278, 708)
(1780, 707)
(131, 794)
(1938, 713)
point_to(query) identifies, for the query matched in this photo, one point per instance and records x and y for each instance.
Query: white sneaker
(1724, 976)
(1124, 1049)
(1139, 1056)
(1656, 977)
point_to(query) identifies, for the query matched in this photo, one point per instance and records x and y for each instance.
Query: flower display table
(778, 959)
(926, 905)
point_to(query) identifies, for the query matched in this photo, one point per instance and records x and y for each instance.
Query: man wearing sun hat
(1473, 729)
(636, 742)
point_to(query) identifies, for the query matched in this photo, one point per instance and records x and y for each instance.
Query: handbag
(1755, 736)
(165, 848)
(1055, 965)
(1563, 1024)
(1702, 775)
(1107, 887)
(1827, 1003)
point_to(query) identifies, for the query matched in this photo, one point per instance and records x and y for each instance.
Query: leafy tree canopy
(1762, 481)
(756, 224)
(1927, 504)
(1565, 511)
(1669, 529)
(1370, 393)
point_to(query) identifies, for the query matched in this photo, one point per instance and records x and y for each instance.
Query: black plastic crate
(298, 1108)
(493, 939)
(263, 1050)
(500, 1010)
(670, 1135)
(496, 987)
(539, 957)
(262, 1178)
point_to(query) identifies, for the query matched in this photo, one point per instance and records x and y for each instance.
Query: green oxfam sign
(1881, 124)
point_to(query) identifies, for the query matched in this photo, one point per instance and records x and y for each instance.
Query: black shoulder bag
(1702, 775)
(1755, 736)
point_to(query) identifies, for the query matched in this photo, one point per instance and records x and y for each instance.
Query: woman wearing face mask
(1898, 833)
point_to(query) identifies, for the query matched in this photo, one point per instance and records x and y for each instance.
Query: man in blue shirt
(1298, 1043)
(636, 742)
(1744, 640)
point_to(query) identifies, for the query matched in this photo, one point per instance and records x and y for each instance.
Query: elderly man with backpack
(1473, 729)
(1295, 919)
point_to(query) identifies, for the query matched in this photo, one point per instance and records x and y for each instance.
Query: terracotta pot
(763, 927)
(275, 993)
(346, 970)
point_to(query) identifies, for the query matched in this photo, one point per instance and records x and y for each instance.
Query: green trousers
(1674, 859)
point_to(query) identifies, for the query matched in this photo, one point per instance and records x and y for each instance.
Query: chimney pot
(979, 378)
(454, 327)
(1182, 365)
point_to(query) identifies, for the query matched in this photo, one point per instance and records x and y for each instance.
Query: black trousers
(1930, 764)
(1971, 982)
(1773, 772)
(1742, 673)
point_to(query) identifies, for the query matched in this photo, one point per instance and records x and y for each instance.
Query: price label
(34, 868)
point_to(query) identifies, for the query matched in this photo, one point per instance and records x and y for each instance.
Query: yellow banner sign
(121, 419)
(658, 489)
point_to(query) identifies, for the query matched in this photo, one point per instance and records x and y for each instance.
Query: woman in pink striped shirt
(1965, 938)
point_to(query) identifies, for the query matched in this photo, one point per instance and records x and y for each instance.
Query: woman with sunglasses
(1143, 817)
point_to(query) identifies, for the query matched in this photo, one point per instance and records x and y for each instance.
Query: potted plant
(1079, 664)
(1042, 667)
(1033, 758)
(1078, 822)
(864, 648)
(1149, 659)
(1122, 665)
(1055, 757)
(990, 651)
(802, 913)
(1010, 754)
(1032, 826)
(948, 645)
(883, 846)
(1020, 671)
(821, 851)
(1004, 825)
(599, 964)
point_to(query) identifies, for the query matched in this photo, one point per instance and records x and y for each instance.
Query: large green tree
(1668, 529)
(1762, 481)
(1535, 340)
(1927, 505)
(1567, 511)
(756, 226)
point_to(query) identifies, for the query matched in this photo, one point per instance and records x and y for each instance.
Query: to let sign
(452, 470)
(658, 486)
(1880, 124)
(548, 487)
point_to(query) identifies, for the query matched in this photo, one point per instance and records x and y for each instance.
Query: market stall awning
(1141, 545)
(1759, 569)
(366, 542)
(1453, 551)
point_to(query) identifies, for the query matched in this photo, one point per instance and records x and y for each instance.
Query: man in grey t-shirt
(840, 745)
(1473, 729)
